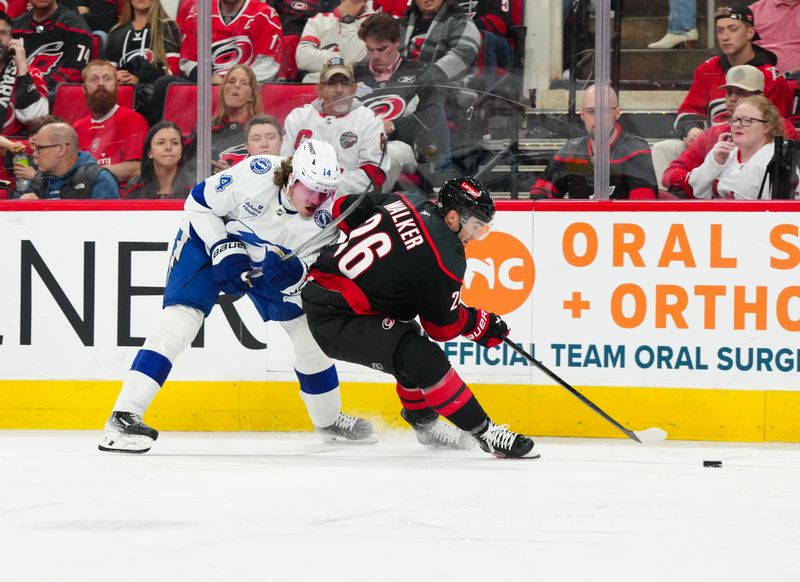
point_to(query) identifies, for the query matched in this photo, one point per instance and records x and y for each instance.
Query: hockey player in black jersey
(404, 259)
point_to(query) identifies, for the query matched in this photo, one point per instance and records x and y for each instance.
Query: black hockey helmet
(468, 197)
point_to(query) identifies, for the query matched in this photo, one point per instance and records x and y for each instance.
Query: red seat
(180, 105)
(69, 102)
(97, 47)
(288, 70)
(280, 98)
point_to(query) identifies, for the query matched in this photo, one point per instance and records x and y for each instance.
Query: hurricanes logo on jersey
(231, 51)
(46, 57)
(386, 106)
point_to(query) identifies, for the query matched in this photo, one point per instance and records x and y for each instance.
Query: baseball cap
(745, 77)
(742, 13)
(336, 66)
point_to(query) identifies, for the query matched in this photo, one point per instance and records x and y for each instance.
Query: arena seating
(280, 98)
(288, 70)
(69, 102)
(180, 105)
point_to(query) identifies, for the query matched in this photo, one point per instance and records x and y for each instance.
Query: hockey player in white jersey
(245, 217)
(339, 119)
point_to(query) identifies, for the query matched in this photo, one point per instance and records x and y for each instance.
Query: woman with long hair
(239, 101)
(144, 45)
(736, 166)
(164, 174)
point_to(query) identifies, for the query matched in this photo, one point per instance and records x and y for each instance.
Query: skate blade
(337, 440)
(121, 443)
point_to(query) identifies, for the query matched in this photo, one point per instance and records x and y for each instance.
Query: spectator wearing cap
(332, 34)
(741, 81)
(704, 105)
(340, 119)
(778, 25)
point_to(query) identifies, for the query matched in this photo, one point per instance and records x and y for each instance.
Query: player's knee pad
(309, 357)
(419, 362)
(176, 329)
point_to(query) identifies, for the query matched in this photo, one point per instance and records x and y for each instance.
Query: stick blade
(651, 436)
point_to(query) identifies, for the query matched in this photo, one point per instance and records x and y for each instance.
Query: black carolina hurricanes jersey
(400, 260)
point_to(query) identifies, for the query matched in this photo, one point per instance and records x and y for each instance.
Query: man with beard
(64, 171)
(57, 40)
(341, 120)
(113, 134)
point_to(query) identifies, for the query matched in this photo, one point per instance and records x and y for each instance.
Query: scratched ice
(278, 507)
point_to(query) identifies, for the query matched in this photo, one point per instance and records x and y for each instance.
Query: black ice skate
(502, 443)
(439, 434)
(126, 433)
(348, 429)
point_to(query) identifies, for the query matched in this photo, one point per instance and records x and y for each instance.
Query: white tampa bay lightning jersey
(243, 203)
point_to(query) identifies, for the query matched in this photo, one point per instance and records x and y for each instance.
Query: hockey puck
(712, 463)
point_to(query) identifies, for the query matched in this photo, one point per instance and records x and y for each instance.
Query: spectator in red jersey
(113, 134)
(243, 32)
(741, 82)
(144, 45)
(57, 40)
(164, 173)
(571, 172)
(704, 105)
(263, 136)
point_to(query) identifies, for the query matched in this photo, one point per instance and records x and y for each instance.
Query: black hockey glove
(487, 330)
(229, 260)
(284, 276)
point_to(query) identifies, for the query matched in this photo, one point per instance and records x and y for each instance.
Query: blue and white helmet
(316, 165)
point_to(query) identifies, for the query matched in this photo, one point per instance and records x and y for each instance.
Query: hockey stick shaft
(629, 433)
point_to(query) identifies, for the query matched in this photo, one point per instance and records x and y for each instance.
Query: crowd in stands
(382, 73)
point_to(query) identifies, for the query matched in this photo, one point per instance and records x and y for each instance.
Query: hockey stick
(648, 436)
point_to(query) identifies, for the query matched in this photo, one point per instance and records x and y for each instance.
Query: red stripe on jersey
(349, 291)
(374, 173)
(411, 398)
(337, 210)
(449, 395)
(310, 39)
(443, 333)
(430, 240)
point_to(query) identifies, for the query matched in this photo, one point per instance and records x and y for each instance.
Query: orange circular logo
(500, 273)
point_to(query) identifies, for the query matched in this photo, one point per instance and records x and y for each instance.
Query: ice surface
(280, 507)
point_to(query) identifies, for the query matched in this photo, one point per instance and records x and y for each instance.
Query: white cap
(316, 165)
